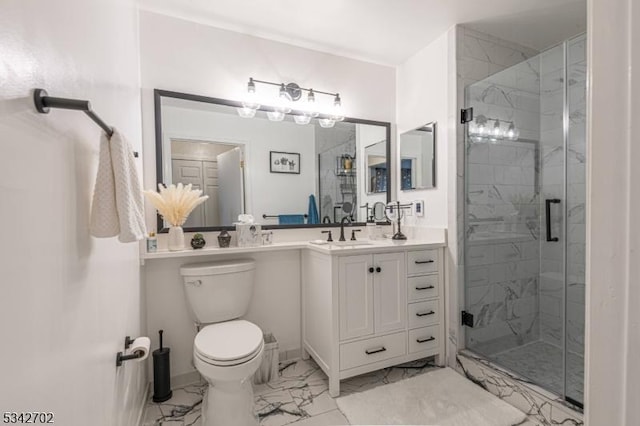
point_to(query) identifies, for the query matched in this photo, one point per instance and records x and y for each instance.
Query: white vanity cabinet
(372, 294)
(363, 310)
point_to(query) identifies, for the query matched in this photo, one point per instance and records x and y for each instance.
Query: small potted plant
(197, 242)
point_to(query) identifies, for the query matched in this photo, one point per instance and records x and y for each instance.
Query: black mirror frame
(157, 98)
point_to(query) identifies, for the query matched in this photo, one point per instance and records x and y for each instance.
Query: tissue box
(249, 234)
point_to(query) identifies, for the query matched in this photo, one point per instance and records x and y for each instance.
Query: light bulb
(512, 133)
(310, 107)
(497, 131)
(245, 112)
(302, 119)
(275, 115)
(251, 99)
(326, 122)
(337, 109)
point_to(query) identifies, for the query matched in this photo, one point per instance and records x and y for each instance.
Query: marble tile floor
(299, 397)
(542, 363)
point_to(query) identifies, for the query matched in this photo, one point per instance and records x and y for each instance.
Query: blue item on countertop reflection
(291, 219)
(313, 211)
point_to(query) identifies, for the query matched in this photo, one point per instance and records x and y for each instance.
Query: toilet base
(229, 403)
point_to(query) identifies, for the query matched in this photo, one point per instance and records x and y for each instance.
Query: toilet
(227, 350)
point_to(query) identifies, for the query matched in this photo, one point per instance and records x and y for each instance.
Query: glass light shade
(283, 103)
(337, 114)
(326, 122)
(275, 115)
(251, 101)
(246, 112)
(496, 133)
(512, 133)
(302, 119)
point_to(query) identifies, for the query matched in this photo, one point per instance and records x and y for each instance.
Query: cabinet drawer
(423, 287)
(372, 350)
(422, 314)
(422, 261)
(423, 339)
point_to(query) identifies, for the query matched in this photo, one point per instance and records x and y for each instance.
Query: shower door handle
(548, 218)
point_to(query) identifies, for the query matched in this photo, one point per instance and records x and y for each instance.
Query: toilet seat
(228, 343)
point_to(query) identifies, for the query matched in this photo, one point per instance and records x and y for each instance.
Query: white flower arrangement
(175, 203)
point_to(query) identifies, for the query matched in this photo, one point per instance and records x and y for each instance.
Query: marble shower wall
(502, 229)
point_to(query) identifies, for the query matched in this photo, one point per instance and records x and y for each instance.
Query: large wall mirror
(273, 170)
(418, 158)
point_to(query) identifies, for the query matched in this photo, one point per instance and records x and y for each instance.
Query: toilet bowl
(227, 350)
(227, 355)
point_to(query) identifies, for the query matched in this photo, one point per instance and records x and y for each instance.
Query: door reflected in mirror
(282, 173)
(216, 169)
(418, 158)
(376, 160)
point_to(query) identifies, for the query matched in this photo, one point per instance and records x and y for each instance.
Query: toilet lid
(229, 341)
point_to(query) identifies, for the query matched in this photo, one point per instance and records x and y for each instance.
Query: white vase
(176, 238)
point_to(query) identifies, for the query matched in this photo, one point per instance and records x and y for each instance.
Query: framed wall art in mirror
(418, 158)
(273, 170)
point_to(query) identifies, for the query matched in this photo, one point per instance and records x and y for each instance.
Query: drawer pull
(429, 287)
(375, 351)
(428, 339)
(421, 262)
(422, 314)
(371, 270)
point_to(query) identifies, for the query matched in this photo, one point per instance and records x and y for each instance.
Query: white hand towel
(117, 207)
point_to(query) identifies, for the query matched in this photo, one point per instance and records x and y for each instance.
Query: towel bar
(44, 103)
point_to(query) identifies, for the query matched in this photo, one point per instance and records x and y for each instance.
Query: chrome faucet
(346, 218)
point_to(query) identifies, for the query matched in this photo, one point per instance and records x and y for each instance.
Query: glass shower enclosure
(524, 259)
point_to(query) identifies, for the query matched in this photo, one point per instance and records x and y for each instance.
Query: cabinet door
(390, 292)
(356, 296)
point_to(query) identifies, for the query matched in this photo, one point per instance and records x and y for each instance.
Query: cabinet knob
(378, 269)
(371, 270)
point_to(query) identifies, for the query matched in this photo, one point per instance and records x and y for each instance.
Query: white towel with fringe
(117, 208)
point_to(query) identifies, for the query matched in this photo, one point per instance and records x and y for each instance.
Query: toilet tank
(218, 291)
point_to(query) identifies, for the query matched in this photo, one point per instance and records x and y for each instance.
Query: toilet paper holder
(121, 357)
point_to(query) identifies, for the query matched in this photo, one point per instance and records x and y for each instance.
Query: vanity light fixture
(480, 132)
(288, 94)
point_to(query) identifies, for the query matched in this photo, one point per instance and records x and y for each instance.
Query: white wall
(188, 57)
(259, 136)
(422, 85)
(613, 207)
(66, 300)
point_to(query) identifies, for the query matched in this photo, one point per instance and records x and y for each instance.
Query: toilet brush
(161, 373)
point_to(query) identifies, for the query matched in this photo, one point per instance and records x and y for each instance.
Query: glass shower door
(576, 228)
(524, 218)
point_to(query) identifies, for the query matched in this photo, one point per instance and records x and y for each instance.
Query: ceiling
(381, 31)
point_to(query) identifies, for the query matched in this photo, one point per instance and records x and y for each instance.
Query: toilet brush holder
(161, 373)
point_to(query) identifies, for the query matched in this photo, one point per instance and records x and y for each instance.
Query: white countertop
(364, 246)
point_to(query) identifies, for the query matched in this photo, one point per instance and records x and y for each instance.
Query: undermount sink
(342, 243)
(350, 243)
